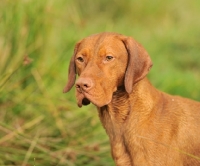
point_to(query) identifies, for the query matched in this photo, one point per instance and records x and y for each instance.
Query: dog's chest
(120, 134)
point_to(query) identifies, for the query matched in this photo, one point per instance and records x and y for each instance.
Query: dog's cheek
(120, 75)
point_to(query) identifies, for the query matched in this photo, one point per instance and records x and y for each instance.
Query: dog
(146, 127)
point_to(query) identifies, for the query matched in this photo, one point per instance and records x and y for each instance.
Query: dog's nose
(84, 84)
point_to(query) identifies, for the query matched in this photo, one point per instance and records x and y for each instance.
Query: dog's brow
(101, 39)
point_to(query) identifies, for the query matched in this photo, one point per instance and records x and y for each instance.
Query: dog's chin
(83, 100)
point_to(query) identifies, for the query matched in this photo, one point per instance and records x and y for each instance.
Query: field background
(39, 125)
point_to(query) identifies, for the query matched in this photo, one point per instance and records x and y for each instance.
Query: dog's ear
(71, 71)
(139, 63)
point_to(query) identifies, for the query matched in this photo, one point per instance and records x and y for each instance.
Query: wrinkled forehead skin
(99, 38)
(97, 42)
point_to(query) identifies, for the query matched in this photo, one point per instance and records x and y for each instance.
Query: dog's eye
(109, 57)
(80, 59)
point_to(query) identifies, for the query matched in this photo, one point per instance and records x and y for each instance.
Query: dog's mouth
(82, 99)
(86, 99)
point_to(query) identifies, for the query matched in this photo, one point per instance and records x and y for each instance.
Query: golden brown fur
(146, 127)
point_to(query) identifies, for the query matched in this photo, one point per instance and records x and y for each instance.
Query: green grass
(39, 125)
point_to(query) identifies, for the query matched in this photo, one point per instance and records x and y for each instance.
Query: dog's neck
(118, 109)
(124, 105)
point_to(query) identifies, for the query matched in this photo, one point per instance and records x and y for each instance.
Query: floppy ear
(139, 63)
(71, 71)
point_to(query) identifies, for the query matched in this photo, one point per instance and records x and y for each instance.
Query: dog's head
(104, 62)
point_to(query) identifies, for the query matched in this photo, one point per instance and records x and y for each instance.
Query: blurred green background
(39, 125)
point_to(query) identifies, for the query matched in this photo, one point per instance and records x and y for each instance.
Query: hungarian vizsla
(146, 127)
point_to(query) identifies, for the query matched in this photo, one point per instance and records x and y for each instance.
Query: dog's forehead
(100, 41)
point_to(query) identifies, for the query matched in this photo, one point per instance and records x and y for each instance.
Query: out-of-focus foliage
(39, 125)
